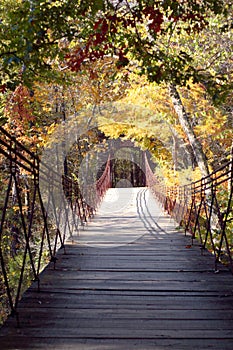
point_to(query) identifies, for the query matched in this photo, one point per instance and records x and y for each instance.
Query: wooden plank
(126, 330)
(54, 343)
(123, 312)
(94, 299)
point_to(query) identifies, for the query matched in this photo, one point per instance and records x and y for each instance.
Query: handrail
(103, 183)
(157, 188)
(204, 208)
(29, 239)
(85, 199)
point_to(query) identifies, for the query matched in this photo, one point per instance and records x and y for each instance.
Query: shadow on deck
(131, 280)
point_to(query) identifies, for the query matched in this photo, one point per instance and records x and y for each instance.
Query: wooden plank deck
(143, 289)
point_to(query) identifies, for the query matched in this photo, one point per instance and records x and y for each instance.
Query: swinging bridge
(113, 268)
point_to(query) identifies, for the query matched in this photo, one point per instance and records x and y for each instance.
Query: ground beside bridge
(130, 280)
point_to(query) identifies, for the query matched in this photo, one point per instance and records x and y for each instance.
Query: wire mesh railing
(86, 198)
(203, 208)
(35, 217)
(158, 189)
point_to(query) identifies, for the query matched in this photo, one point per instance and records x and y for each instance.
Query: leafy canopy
(37, 35)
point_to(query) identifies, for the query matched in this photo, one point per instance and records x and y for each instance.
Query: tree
(186, 126)
(47, 30)
(162, 40)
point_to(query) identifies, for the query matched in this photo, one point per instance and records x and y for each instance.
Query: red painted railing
(203, 208)
(85, 199)
(103, 183)
(35, 218)
(157, 188)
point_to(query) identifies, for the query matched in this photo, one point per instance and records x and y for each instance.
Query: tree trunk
(189, 132)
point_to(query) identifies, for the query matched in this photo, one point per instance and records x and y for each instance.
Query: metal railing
(203, 208)
(86, 198)
(35, 218)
